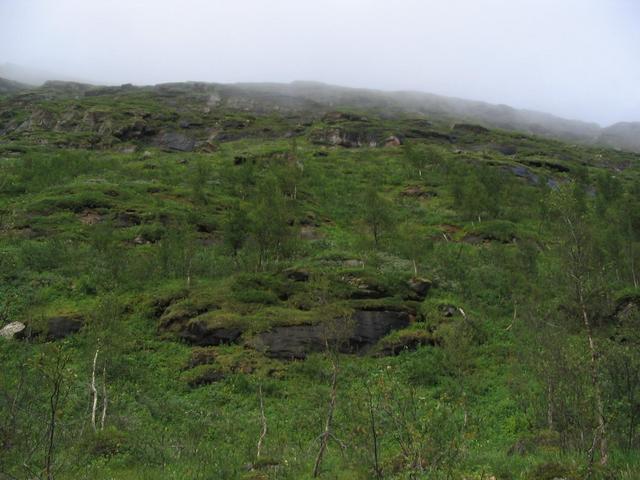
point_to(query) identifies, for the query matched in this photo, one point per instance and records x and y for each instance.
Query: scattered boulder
(392, 141)
(11, 329)
(297, 275)
(127, 219)
(419, 288)
(626, 308)
(140, 240)
(365, 291)
(137, 129)
(176, 142)
(198, 332)
(90, 217)
(448, 311)
(63, 326)
(348, 138)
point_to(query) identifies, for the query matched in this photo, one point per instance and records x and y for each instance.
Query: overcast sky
(574, 58)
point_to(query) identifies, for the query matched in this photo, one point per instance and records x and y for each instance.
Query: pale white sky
(574, 58)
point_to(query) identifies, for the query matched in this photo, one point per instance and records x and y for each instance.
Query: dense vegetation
(343, 295)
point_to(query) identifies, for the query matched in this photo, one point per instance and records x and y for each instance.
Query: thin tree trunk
(94, 391)
(104, 397)
(374, 435)
(601, 433)
(549, 405)
(53, 405)
(263, 420)
(324, 438)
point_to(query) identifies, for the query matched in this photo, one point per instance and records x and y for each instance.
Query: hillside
(8, 87)
(303, 99)
(204, 281)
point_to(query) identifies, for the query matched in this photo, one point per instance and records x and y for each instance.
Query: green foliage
(263, 228)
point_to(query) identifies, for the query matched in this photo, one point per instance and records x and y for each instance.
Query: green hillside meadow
(213, 288)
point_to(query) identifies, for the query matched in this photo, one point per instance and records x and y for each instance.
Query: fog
(574, 58)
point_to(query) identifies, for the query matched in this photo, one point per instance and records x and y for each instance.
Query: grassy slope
(57, 261)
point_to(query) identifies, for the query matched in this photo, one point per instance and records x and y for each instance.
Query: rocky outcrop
(297, 341)
(61, 327)
(175, 142)
(556, 167)
(198, 332)
(11, 329)
(134, 130)
(348, 138)
(419, 288)
(297, 275)
(392, 141)
(127, 219)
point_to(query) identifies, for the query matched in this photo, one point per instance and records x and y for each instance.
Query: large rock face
(299, 340)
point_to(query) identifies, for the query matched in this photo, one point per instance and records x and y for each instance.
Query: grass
(134, 243)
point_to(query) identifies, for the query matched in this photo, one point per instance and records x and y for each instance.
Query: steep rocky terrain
(90, 116)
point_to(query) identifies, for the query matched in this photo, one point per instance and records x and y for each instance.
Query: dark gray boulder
(176, 142)
(200, 334)
(297, 341)
(61, 327)
(372, 325)
(127, 219)
(418, 287)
